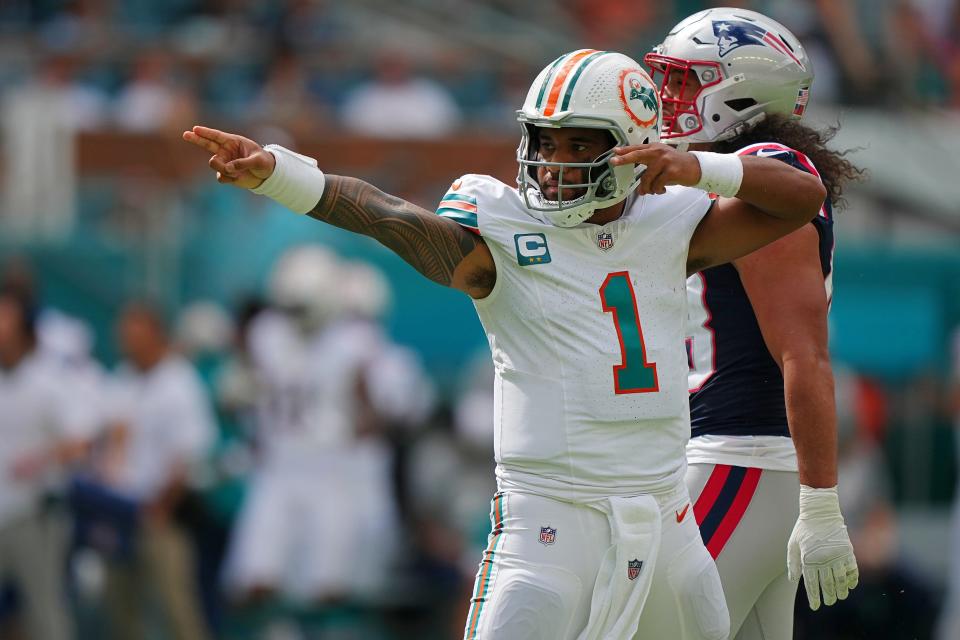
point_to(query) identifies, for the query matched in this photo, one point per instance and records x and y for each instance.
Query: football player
(321, 496)
(736, 81)
(578, 277)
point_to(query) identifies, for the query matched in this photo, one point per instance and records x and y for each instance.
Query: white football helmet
(748, 66)
(305, 283)
(365, 291)
(590, 89)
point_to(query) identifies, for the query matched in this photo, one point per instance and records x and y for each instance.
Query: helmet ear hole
(740, 104)
(646, 140)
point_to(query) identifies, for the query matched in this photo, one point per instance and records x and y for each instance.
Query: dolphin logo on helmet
(586, 89)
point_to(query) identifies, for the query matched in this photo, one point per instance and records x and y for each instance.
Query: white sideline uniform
(591, 418)
(320, 513)
(38, 413)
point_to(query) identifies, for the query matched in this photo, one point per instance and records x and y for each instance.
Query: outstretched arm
(437, 247)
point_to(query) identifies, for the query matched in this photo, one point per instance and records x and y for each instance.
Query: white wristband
(818, 503)
(296, 182)
(720, 173)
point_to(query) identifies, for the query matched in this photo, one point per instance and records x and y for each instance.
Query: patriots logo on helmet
(733, 34)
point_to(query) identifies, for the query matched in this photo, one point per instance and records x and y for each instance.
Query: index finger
(631, 147)
(203, 143)
(637, 154)
(221, 137)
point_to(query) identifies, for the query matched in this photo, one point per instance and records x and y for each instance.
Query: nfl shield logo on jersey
(604, 240)
(548, 535)
(633, 568)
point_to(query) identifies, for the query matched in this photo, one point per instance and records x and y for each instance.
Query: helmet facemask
(605, 184)
(681, 113)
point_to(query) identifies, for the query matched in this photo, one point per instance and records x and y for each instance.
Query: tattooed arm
(437, 247)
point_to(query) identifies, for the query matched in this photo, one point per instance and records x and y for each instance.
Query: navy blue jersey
(736, 387)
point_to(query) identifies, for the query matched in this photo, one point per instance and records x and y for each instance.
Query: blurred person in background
(286, 100)
(736, 81)
(398, 103)
(948, 626)
(154, 98)
(63, 339)
(40, 119)
(43, 428)
(204, 334)
(590, 435)
(161, 426)
(449, 477)
(320, 516)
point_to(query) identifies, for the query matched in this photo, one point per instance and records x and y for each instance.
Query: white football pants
(746, 516)
(556, 570)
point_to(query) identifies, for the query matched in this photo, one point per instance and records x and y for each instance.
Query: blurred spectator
(152, 99)
(849, 44)
(163, 425)
(614, 24)
(949, 623)
(309, 24)
(285, 100)
(397, 103)
(40, 119)
(892, 599)
(450, 483)
(205, 335)
(951, 38)
(40, 432)
(81, 26)
(916, 55)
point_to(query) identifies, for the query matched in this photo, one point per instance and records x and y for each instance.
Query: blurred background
(222, 420)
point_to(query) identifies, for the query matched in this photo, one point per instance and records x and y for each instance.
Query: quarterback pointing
(578, 276)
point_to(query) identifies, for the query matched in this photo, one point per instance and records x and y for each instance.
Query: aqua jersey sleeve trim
(459, 207)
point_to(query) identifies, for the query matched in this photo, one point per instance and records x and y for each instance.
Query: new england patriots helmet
(746, 66)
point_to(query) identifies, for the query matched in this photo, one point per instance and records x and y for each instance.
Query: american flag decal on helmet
(802, 98)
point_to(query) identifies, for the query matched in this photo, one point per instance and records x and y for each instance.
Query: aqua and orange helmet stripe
(561, 77)
(564, 67)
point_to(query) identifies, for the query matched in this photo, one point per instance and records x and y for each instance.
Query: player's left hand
(820, 548)
(664, 164)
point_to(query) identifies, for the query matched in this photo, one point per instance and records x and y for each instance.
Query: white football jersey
(307, 386)
(586, 328)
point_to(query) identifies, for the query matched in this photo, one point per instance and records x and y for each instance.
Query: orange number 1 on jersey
(634, 374)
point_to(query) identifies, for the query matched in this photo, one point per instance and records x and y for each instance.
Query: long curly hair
(835, 169)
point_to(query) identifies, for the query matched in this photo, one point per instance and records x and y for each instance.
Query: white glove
(820, 547)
